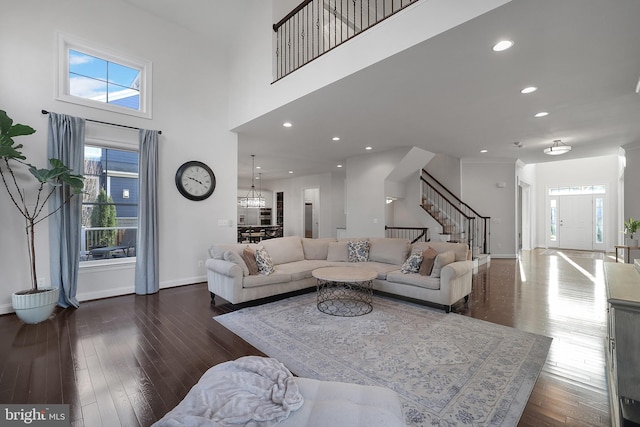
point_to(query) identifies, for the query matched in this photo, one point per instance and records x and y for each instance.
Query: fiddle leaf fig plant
(33, 211)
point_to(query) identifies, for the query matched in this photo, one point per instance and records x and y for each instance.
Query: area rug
(448, 369)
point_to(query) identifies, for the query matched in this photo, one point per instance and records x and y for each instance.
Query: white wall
(190, 95)
(480, 190)
(254, 95)
(590, 171)
(632, 182)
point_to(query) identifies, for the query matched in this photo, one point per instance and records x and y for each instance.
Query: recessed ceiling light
(335, 138)
(484, 151)
(529, 89)
(368, 148)
(290, 171)
(258, 167)
(502, 45)
(541, 114)
(338, 166)
(287, 124)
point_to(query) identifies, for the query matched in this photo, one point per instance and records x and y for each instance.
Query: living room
(211, 111)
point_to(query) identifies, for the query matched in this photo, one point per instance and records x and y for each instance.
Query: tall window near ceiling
(102, 79)
(109, 204)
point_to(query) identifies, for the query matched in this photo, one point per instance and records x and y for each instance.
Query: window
(553, 220)
(599, 220)
(99, 79)
(109, 204)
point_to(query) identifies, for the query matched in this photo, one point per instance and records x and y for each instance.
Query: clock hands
(196, 180)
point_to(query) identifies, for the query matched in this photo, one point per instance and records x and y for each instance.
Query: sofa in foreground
(232, 274)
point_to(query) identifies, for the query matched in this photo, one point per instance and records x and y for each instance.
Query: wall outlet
(40, 281)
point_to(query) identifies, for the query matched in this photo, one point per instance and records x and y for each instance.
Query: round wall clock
(195, 180)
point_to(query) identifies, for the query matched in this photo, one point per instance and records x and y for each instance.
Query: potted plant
(630, 228)
(35, 304)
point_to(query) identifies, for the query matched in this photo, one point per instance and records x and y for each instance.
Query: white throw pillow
(441, 260)
(265, 265)
(235, 258)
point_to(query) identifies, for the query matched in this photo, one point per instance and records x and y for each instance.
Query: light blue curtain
(147, 269)
(65, 142)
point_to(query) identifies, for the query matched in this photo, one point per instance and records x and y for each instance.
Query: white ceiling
(452, 94)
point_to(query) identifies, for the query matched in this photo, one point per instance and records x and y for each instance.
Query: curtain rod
(107, 123)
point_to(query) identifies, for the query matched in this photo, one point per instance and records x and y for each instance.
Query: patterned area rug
(448, 369)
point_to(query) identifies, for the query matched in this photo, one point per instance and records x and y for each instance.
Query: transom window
(578, 189)
(101, 79)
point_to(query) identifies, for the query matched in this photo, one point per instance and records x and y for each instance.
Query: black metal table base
(345, 299)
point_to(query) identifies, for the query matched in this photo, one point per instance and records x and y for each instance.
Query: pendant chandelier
(253, 199)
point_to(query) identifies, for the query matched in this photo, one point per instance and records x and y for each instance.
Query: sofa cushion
(284, 249)
(249, 257)
(233, 257)
(300, 269)
(414, 279)
(337, 251)
(263, 280)
(391, 251)
(316, 248)
(428, 258)
(358, 251)
(217, 251)
(264, 261)
(442, 259)
(461, 250)
(381, 268)
(412, 264)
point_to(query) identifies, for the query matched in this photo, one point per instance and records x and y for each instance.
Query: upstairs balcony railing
(315, 27)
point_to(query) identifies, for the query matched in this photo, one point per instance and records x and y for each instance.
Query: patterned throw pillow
(358, 251)
(412, 264)
(265, 265)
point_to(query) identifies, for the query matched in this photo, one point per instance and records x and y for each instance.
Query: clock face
(195, 180)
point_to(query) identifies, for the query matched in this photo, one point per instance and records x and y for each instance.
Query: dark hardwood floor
(128, 360)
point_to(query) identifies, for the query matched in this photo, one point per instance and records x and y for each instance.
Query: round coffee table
(344, 291)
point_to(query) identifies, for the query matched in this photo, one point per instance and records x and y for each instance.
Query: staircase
(459, 222)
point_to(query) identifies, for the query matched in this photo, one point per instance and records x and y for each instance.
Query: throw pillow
(428, 258)
(249, 257)
(358, 251)
(441, 260)
(337, 251)
(265, 265)
(233, 257)
(412, 264)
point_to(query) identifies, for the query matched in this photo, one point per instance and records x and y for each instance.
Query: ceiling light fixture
(338, 166)
(253, 199)
(335, 138)
(557, 148)
(541, 114)
(502, 45)
(484, 150)
(287, 124)
(368, 148)
(529, 89)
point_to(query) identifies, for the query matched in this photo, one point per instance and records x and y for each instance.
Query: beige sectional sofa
(294, 258)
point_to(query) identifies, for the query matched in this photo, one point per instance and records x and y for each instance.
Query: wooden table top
(344, 274)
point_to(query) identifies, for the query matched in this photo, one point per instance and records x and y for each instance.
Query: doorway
(311, 199)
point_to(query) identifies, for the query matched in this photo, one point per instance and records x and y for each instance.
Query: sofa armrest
(226, 268)
(455, 270)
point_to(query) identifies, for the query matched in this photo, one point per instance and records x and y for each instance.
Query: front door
(575, 222)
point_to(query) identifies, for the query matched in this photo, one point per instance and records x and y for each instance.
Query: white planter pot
(36, 307)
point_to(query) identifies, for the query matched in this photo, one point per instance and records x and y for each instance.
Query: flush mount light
(484, 151)
(557, 148)
(335, 138)
(287, 124)
(502, 45)
(368, 148)
(541, 114)
(338, 166)
(529, 89)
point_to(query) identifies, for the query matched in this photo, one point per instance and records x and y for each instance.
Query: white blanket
(251, 391)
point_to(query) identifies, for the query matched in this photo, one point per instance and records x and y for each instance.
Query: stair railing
(315, 27)
(414, 234)
(458, 218)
